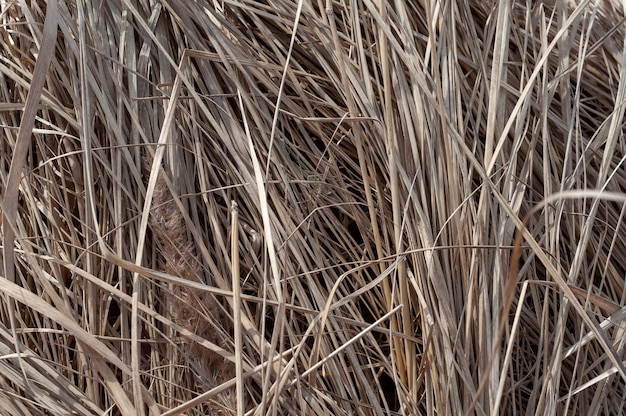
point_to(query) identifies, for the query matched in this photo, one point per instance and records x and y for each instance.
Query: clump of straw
(353, 207)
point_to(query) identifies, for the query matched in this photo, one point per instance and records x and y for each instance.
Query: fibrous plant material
(194, 310)
(312, 207)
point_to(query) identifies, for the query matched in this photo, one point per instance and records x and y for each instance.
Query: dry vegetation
(321, 208)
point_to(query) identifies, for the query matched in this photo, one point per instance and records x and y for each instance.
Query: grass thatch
(299, 207)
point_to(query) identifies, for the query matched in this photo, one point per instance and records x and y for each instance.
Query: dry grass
(289, 208)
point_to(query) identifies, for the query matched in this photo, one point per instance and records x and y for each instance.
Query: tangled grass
(320, 208)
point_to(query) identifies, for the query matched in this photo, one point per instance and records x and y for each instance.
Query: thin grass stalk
(18, 160)
(237, 309)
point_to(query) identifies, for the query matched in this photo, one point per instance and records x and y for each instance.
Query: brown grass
(312, 208)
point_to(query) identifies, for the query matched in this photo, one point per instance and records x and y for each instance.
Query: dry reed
(347, 179)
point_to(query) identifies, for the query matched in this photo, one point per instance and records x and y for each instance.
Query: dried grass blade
(92, 343)
(18, 160)
(339, 350)
(236, 282)
(11, 196)
(152, 181)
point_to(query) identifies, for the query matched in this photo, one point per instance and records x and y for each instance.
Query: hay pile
(289, 208)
